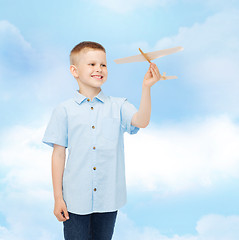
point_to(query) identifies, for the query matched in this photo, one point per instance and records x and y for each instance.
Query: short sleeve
(57, 128)
(127, 112)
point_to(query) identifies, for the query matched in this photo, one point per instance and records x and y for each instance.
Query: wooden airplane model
(150, 56)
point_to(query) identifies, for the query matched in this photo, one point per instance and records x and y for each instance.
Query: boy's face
(91, 68)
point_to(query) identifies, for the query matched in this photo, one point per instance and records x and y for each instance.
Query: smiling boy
(90, 189)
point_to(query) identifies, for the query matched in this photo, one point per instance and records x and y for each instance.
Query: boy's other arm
(141, 118)
(58, 165)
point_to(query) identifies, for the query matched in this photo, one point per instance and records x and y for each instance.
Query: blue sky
(182, 171)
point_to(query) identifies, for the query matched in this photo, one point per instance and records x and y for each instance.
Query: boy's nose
(99, 69)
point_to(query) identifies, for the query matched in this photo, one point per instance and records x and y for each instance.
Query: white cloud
(26, 193)
(209, 227)
(218, 227)
(44, 72)
(126, 229)
(210, 60)
(9, 34)
(183, 156)
(170, 158)
(125, 6)
(16, 53)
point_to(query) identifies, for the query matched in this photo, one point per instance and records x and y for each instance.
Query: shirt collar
(78, 97)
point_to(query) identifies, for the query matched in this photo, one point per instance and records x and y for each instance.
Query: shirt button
(93, 127)
(91, 108)
(94, 189)
(94, 148)
(88, 99)
(94, 168)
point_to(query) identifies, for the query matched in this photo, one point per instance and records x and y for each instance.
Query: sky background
(182, 171)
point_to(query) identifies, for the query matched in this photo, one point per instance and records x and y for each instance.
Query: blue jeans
(94, 226)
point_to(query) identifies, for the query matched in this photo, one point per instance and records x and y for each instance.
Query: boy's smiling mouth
(97, 76)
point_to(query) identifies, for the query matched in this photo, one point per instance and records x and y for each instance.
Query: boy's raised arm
(141, 118)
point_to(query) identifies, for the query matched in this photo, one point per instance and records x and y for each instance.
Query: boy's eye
(92, 64)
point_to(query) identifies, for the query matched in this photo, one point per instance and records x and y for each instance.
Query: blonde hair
(82, 46)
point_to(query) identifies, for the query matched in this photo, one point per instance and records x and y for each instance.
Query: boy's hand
(60, 210)
(152, 76)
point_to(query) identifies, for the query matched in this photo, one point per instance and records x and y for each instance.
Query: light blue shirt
(93, 132)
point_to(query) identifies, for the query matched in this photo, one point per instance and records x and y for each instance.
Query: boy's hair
(81, 46)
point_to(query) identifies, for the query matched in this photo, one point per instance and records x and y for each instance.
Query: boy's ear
(73, 70)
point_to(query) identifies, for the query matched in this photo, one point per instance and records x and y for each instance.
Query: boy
(92, 187)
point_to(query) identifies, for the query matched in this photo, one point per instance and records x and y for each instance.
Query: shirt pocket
(110, 128)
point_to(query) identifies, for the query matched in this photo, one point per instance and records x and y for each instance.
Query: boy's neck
(89, 93)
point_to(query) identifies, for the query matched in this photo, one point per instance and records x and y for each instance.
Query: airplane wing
(162, 53)
(150, 55)
(136, 58)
